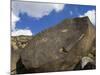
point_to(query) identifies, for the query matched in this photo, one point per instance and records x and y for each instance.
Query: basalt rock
(59, 48)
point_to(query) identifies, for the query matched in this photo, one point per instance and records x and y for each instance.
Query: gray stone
(59, 48)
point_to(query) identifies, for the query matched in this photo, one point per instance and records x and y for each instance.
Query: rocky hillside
(19, 41)
(70, 45)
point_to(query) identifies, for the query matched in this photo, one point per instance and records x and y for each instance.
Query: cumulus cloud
(92, 16)
(58, 7)
(37, 10)
(14, 20)
(17, 32)
(21, 32)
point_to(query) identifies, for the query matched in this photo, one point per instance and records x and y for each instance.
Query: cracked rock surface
(59, 48)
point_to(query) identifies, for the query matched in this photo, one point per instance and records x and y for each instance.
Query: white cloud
(17, 32)
(92, 16)
(37, 10)
(21, 32)
(58, 7)
(14, 20)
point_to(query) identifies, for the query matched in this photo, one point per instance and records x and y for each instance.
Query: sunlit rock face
(17, 43)
(59, 48)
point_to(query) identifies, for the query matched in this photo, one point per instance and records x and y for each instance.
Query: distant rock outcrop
(59, 48)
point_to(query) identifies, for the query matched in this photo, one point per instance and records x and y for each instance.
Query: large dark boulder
(59, 48)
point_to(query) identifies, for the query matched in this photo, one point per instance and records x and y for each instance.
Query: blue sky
(31, 21)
